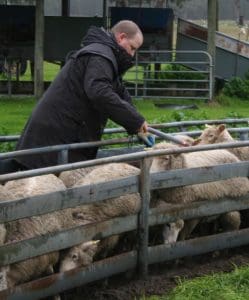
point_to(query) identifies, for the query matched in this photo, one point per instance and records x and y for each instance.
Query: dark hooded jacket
(87, 91)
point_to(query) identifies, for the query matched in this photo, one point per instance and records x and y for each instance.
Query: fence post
(63, 157)
(143, 226)
(243, 136)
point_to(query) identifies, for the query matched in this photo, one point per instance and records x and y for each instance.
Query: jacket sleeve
(125, 94)
(100, 85)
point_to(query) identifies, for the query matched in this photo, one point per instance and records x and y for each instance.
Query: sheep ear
(221, 127)
(90, 244)
(208, 126)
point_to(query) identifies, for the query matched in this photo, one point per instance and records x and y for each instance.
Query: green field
(15, 111)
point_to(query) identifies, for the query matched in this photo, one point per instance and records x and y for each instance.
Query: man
(87, 91)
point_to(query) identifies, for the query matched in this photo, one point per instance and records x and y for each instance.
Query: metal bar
(57, 148)
(57, 240)
(143, 227)
(118, 158)
(146, 62)
(57, 283)
(177, 80)
(9, 75)
(199, 245)
(170, 124)
(17, 251)
(37, 205)
(172, 71)
(173, 89)
(202, 122)
(15, 209)
(136, 82)
(180, 177)
(243, 135)
(243, 130)
(175, 97)
(63, 157)
(166, 136)
(60, 282)
(198, 209)
(211, 78)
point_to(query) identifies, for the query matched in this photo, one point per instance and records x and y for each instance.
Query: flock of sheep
(84, 254)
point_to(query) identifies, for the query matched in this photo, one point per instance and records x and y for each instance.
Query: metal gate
(171, 75)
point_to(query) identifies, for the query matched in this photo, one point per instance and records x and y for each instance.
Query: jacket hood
(102, 36)
(98, 35)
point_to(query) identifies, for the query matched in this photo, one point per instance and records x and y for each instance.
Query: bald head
(128, 35)
(128, 27)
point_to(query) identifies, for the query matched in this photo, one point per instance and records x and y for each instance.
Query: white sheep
(219, 134)
(4, 195)
(115, 207)
(18, 230)
(78, 256)
(70, 177)
(232, 187)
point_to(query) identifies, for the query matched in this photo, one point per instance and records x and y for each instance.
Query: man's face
(130, 45)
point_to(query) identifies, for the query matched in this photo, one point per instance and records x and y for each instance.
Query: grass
(50, 71)
(14, 111)
(223, 286)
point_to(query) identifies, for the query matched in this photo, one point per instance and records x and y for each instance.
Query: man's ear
(120, 36)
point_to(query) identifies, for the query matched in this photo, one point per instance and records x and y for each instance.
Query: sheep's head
(166, 161)
(79, 256)
(171, 231)
(214, 134)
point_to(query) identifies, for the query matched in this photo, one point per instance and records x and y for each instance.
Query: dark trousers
(10, 165)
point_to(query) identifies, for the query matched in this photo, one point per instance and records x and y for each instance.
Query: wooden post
(211, 37)
(65, 8)
(144, 218)
(39, 49)
(217, 15)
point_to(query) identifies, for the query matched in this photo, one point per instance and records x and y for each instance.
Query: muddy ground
(162, 278)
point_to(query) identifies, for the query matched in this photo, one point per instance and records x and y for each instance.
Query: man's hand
(143, 134)
(144, 127)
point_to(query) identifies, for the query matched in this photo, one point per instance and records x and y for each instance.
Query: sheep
(103, 210)
(70, 177)
(233, 187)
(4, 195)
(32, 226)
(78, 256)
(29, 227)
(219, 134)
